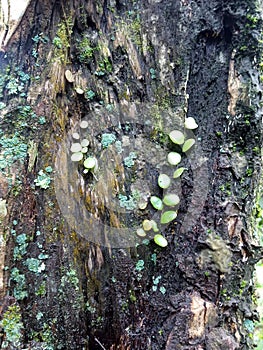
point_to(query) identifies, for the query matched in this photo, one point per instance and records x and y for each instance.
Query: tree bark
(74, 273)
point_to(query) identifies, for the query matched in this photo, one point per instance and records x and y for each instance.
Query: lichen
(13, 327)
(218, 254)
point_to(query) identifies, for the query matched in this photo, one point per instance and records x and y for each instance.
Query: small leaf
(90, 163)
(84, 150)
(190, 123)
(177, 137)
(84, 124)
(160, 240)
(76, 157)
(75, 136)
(164, 181)
(79, 91)
(75, 147)
(156, 202)
(69, 76)
(178, 172)
(188, 144)
(154, 226)
(168, 216)
(84, 143)
(171, 199)
(142, 204)
(174, 158)
(140, 232)
(147, 225)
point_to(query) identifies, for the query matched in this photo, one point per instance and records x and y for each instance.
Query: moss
(104, 67)
(85, 50)
(62, 40)
(135, 29)
(13, 327)
(41, 290)
(19, 279)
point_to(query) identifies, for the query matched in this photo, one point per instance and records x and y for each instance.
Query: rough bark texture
(193, 58)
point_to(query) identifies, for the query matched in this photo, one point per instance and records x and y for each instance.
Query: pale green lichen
(218, 254)
(129, 161)
(43, 180)
(35, 265)
(13, 327)
(107, 140)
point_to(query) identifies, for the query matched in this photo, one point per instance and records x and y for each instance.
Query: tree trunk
(121, 75)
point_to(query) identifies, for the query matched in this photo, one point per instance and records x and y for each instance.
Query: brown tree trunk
(75, 274)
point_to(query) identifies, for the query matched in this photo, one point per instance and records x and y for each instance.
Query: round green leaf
(156, 202)
(177, 137)
(79, 91)
(147, 225)
(140, 232)
(171, 199)
(75, 147)
(174, 158)
(160, 240)
(84, 150)
(168, 216)
(90, 163)
(84, 143)
(75, 136)
(190, 123)
(69, 76)
(84, 124)
(178, 172)
(188, 144)
(154, 226)
(76, 157)
(164, 181)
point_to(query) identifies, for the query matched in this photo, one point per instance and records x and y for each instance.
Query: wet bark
(135, 69)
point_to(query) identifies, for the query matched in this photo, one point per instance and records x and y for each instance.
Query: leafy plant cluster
(85, 50)
(104, 67)
(170, 200)
(82, 153)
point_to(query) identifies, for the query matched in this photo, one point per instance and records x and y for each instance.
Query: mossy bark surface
(156, 63)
